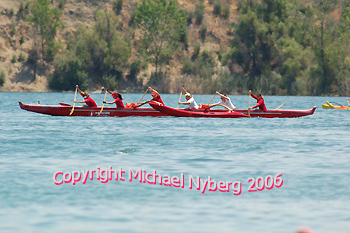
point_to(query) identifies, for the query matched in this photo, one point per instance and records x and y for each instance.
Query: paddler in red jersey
(260, 101)
(87, 99)
(155, 98)
(118, 99)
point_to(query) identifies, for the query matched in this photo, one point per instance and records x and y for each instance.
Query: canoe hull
(283, 113)
(226, 114)
(64, 110)
(184, 113)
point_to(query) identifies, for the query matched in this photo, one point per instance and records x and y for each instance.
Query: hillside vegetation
(276, 47)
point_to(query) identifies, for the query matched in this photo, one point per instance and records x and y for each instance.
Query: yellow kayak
(331, 106)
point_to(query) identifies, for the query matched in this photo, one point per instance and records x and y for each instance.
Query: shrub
(13, 29)
(196, 51)
(21, 57)
(203, 31)
(2, 78)
(21, 41)
(199, 13)
(132, 18)
(190, 16)
(184, 39)
(14, 59)
(61, 4)
(118, 6)
(10, 13)
(187, 66)
(199, 17)
(69, 70)
(135, 68)
(225, 11)
(110, 81)
(217, 8)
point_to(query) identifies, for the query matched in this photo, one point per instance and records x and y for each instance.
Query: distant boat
(337, 106)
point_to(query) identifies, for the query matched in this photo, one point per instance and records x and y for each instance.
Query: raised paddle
(179, 100)
(249, 105)
(280, 106)
(75, 98)
(104, 100)
(143, 96)
(212, 98)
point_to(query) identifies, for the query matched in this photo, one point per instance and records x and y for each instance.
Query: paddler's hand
(104, 102)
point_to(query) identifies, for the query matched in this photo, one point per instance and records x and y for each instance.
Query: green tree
(69, 70)
(161, 24)
(46, 22)
(113, 51)
(322, 29)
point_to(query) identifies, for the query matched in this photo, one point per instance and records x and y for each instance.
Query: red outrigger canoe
(64, 110)
(187, 113)
(234, 114)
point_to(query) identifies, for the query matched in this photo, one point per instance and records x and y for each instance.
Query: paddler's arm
(77, 86)
(250, 92)
(108, 102)
(223, 96)
(183, 90)
(143, 103)
(150, 88)
(187, 103)
(258, 104)
(79, 101)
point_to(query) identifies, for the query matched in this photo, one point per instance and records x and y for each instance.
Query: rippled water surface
(312, 153)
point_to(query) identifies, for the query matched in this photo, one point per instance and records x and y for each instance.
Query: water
(312, 154)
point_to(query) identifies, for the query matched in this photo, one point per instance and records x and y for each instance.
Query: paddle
(249, 104)
(348, 101)
(337, 103)
(212, 98)
(226, 107)
(75, 98)
(104, 100)
(179, 100)
(280, 106)
(64, 104)
(143, 96)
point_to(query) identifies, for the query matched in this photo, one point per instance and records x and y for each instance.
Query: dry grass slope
(19, 75)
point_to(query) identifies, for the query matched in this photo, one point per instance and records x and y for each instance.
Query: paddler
(155, 97)
(87, 99)
(260, 101)
(225, 100)
(190, 100)
(118, 99)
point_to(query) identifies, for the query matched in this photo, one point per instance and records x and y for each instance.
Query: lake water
(312, 153)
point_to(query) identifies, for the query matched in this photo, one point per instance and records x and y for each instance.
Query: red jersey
(119, 103)
(260, 103)
(158, 99)
(90, 102)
